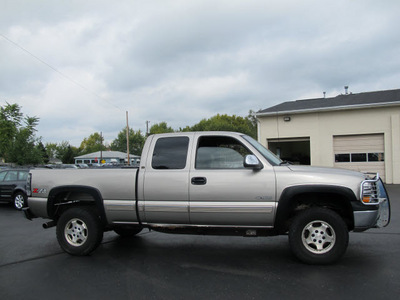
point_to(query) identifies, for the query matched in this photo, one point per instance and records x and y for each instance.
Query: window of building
(359, 157)
(170, 153)
(376, 157)
(342, 157)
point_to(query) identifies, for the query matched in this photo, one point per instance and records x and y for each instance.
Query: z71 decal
(39, 191)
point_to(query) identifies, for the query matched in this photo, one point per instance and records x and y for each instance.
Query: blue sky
(80, 65)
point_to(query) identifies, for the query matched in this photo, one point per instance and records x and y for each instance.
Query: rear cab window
(170, 153)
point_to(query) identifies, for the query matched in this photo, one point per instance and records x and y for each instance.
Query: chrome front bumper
(374, 218)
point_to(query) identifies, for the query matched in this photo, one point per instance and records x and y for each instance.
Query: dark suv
(13, 187)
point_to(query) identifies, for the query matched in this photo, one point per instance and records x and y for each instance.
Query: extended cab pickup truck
(210, 183)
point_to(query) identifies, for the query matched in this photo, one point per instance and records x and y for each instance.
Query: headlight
(369, 191)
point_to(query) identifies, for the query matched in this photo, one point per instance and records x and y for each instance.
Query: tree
(161, 127)
(42, 149)
(226, 123)
(66, 153)
(251, 117)
(136, 142)
(18, 143)
(68, 156)
(62, 151)
(51, 150)
(10, 121)
(93, 143)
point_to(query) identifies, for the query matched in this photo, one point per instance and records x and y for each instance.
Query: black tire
(79, 231)
(19, 200)
(127, 231)
(318, 236)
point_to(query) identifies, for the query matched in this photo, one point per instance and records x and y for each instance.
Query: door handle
(199, 180)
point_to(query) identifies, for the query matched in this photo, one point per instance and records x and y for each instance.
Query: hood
(291, 175)
(324, 170)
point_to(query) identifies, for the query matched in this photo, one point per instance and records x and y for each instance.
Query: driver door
(223, 192)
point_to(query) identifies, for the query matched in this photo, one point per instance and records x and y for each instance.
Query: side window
(170, 153)
(11, 176)
(22, 175)
(2, 175)
(220, 152)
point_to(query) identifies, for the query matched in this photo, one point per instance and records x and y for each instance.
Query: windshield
(272, 159)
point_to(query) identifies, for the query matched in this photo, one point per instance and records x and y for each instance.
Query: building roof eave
(325, 109)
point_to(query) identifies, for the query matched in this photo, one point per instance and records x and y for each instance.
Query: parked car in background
(62, 166)
(13, 187)
(82, 166)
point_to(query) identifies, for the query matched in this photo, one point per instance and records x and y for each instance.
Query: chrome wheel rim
(76, 232)
(19, 201)
(318, 237)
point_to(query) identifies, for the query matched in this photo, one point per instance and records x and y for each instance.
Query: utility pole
(127, 138)
(147, 128)
(101, 146)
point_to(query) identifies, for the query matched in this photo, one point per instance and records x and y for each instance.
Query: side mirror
(252, 162)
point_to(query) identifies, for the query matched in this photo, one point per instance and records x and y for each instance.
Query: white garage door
(364, 153)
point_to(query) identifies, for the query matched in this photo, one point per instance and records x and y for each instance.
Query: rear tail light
(29, 185)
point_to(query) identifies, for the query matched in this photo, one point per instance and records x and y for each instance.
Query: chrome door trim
(231, 207)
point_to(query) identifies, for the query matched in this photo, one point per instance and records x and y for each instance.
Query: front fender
(315, 195)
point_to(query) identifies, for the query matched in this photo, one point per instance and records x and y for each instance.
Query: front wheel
(79, 231)
(318, 236)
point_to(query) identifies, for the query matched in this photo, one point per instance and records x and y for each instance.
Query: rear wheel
(318, 236)
(19, 200)
(79, 231)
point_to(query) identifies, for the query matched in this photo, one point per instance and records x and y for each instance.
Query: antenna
(127, 139)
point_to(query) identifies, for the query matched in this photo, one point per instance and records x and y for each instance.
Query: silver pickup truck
(210, 183)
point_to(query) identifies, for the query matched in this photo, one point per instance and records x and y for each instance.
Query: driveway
(161, 266)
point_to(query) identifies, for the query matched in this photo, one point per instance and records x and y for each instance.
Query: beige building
(353, 131)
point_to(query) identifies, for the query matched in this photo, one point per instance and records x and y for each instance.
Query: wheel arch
(297, 198)
(18, 189)
(63, 197)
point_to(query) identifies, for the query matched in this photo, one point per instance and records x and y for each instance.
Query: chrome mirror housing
(251, 161)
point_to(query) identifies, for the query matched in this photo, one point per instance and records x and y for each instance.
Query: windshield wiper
(285, 163)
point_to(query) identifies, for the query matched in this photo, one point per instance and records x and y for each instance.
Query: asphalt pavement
(163, 266)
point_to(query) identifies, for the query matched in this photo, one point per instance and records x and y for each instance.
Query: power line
(59, 72)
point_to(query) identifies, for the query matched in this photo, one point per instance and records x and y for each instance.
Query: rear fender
(54, 202)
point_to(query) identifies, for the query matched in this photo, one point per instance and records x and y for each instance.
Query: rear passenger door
(223, 192)
(166, 180)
